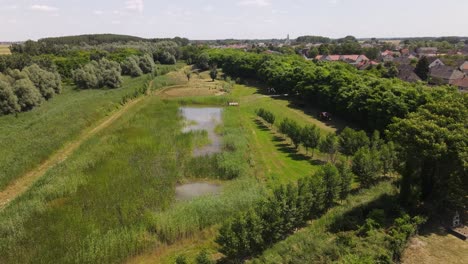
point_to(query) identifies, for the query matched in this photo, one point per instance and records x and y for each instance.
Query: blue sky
(216, 19)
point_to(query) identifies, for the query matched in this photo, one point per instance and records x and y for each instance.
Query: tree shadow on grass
(261, 125)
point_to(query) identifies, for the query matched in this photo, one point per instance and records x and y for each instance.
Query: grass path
(22, 184)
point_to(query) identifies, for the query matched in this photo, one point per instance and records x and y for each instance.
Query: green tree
(181, 259)
(330, 146)
(8, 100)
(350, 141)
(388, 157)
(28, 95)
(331, 180)
(214, 73)
(131, 67)
(367, 166)
(203, 258)
(346, 178)
(44, 80)
(203, 62)
(311, 137)
(146, 63)
(422, 68)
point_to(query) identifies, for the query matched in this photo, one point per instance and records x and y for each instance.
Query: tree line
(285, 209)
(402, 110)
(371, 157)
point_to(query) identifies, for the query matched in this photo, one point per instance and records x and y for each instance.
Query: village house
(427, 51)
(406, 73)
(434, 62)
(445, 75)
(351, 59)
(464, 67)
(461, 84)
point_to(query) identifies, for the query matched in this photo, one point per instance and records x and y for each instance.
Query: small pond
(204, 118)
(192, 190)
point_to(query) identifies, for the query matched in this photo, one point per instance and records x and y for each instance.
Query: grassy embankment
(5, 50)
(30, 138)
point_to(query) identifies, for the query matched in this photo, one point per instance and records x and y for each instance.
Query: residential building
(445, 75)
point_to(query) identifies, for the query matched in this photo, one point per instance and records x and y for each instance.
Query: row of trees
(372, 157)
(23, 90)
(287, 208)
(375, 103)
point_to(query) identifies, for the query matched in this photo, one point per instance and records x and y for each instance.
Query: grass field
(30, 138)
(5, 50)
(433, 246)
(112, 200)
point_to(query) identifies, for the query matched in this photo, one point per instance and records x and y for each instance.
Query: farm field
(5, 50)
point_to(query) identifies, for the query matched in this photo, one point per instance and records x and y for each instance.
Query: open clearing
(434, 248)
(5, 50)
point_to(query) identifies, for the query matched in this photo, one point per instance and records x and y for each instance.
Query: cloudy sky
(216, 19)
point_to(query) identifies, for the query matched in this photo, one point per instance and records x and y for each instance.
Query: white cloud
(136, 5)
(208, 8)
(98, 12)
(44, 8)
(116, 22)
(259, 3)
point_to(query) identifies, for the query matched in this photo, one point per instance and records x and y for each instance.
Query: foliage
(292, 129)
(310, 137)
(330, 146)
(266, 115)
(422, 68)
(203, 258)
(146, 63)
(433, 144)
(100, 74)
(8, 100)
(367, 165)
(351, 140)
(131, 67)
(48, 83)
(213, 73)
(287, 208)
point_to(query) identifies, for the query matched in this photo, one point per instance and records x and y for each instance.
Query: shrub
(8, 100)
(131, 67)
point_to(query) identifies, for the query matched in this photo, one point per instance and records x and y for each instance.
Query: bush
(28, 95)
(146, 63)
(8, 100)
(131, 67)
(100, 74)
(48, 83)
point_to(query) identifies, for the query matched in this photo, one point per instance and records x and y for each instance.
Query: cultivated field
(5, 50)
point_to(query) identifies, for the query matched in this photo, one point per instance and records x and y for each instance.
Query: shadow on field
(284, 146)
(355, 218)
(300, 105)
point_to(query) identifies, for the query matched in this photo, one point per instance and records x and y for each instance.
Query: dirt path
(20, 185)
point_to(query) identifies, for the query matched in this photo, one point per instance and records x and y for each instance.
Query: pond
(192, 190)
(204, 118)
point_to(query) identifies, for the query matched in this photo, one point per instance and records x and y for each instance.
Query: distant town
(437, 61)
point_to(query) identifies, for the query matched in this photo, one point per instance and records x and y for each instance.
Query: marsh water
(193, 190)
(204, 118)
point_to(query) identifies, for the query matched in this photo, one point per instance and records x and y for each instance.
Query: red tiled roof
(334, 57)
(463, 83)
